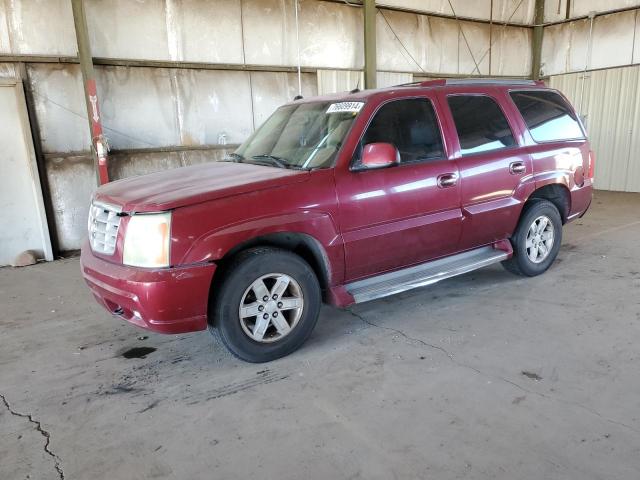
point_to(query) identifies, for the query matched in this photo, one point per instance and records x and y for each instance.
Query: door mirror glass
(379, 155)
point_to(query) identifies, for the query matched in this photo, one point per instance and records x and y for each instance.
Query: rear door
(495, 174)
(558, 146)
(404, 214)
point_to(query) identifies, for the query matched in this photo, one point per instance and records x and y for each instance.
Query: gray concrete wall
(423, 44)
(158, 107)
(614, 40)
(37, 27)
(556, 10)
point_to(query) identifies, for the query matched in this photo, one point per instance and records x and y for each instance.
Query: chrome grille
(104, 221)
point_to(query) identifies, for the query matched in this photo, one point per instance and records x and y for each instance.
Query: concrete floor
(483, 376)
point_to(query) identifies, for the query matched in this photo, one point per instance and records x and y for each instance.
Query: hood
(183, 186)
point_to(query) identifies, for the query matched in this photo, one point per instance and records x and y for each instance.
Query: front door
(408, 213)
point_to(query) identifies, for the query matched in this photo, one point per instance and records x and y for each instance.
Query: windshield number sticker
(354, 107)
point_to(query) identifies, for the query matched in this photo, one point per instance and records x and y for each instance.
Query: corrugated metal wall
(611, 109)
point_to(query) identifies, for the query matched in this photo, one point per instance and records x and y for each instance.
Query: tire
(535, 244)
(265, 271)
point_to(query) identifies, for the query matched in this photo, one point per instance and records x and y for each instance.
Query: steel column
(370, 69)
(536, 44)
(99, 144)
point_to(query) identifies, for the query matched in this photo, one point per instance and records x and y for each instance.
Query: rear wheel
(267, 304)
(537, 240)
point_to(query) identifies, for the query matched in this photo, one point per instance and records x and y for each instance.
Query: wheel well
(556, 194)
(303, 245)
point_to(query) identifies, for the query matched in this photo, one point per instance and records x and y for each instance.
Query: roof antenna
(298, 97)
(357, 89)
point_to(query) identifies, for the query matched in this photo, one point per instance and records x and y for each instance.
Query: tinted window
(547, 116)
(411, 126)
(480, 123)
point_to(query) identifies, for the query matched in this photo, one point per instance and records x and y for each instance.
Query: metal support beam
(98, 142)
(128, 62)
(536, 44)
(425, 12)
(370, 69)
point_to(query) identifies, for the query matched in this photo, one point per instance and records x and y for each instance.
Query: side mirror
(379, 155)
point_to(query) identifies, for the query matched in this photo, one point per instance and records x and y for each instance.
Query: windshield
(307, 135)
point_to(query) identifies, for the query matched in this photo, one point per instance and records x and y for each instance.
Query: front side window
(411, 126)
(480, 123)
(307, 135)
(547, 115)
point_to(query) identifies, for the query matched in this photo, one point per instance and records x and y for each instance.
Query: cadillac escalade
(344, 199)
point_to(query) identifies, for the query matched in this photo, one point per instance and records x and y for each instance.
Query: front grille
(104, 221)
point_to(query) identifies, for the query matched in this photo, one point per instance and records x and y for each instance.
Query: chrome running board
(424, 274)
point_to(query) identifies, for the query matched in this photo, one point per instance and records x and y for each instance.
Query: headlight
(146, 241)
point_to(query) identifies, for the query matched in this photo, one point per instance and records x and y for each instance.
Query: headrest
(421, 133)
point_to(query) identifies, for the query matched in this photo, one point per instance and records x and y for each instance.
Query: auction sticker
(354, 107)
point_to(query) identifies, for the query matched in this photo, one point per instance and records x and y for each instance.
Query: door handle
(447, 180)
(516, 168)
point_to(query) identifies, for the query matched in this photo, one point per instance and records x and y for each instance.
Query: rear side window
(480, 123)
(547, 116)
(411, 126)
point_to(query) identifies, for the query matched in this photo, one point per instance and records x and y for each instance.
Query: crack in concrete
(492, 376)
(42, 431)
(400, 332)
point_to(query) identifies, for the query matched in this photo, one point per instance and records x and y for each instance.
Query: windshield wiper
(277, 161)
(233, 157)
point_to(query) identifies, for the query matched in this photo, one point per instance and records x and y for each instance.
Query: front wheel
(267, 304)
(536, 241)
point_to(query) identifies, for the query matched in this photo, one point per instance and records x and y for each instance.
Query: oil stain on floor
(138, 352)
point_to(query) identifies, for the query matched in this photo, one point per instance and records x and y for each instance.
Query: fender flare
(314, 230)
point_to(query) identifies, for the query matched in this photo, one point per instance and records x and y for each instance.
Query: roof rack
(472, 81)
(425, 83)
(495, 81)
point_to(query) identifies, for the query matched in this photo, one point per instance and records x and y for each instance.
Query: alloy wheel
(540, 238)
(271, 307)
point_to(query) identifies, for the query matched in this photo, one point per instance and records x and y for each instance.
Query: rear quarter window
(547, 115)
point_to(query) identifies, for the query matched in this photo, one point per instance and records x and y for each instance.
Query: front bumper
(167, 300)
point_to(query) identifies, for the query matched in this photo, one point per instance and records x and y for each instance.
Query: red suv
(342, 198)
